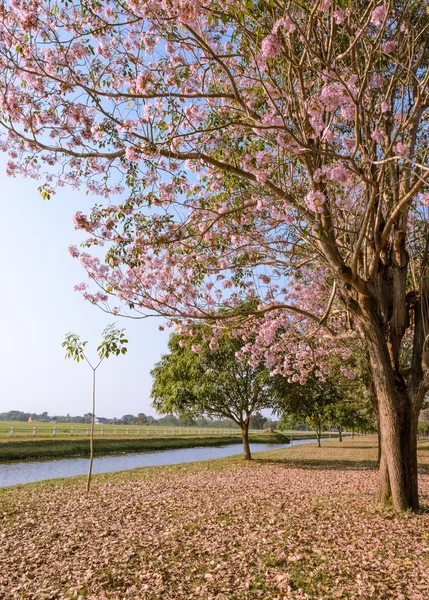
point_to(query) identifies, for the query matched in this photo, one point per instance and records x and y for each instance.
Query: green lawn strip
(55, 448)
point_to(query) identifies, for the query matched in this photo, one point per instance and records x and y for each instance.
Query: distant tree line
(258, 421)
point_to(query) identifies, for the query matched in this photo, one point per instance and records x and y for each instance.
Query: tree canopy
(273, 150)
(194, 380)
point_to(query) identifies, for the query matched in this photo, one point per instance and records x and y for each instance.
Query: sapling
(113, 343)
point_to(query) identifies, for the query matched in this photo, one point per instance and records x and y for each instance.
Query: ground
(291, 525)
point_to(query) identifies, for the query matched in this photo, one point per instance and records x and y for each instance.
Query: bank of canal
(31, 471)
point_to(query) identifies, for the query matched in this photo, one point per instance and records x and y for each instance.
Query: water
(30, 471)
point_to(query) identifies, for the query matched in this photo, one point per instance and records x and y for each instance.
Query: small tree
(141, 419)
(113, 343)
(257, 421)
(194, 380)
(309, 402)
(335, 401)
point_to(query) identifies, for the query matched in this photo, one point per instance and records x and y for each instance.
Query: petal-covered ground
(289, 525)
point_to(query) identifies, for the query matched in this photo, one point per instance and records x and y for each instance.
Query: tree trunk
(398, 477)
(340, 434)
(383, 489)
(91, 439)
(378, 442)
(318, 434)
(398, 410)
(245, 436)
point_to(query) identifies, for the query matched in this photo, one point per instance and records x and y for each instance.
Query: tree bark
(398, 409)
(340, 434)
(398, 477)
(245, 435)
(318, 434)
(383, 489)
(378, 442)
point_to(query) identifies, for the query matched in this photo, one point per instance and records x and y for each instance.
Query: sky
(38, 307)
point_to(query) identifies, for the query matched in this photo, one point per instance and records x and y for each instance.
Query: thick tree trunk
(398, 415)
(245, 436)
(398, 463)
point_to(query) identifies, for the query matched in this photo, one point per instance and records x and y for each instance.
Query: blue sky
(38, 307)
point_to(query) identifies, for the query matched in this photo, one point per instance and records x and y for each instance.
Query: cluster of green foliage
(335, 401)
(194, 380)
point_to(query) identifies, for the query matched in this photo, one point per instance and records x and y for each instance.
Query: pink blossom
(401, 149)
(332, 96)
(378, 15)
(324, 5)
(82, 222)
(314, 200)
(73, 251)
(189, 11)
(132, 154)
(339, 174)
(377, 135)
(285, 23)
(388, 46)
(348, 113)
(347, 373)
(384, 107)
(80, 287)
(196, 348)
(271, 46)
(425, 199)
(339, 15)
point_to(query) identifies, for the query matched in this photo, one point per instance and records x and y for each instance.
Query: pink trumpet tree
(270, 155)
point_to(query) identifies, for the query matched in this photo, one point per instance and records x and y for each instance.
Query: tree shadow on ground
(320, 465)
(329, 465)
(364, 447)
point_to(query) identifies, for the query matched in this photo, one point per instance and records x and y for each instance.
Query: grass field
(290, 525)
(24, 429)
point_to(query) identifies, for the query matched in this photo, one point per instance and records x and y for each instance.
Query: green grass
(12, 449)
(25, 429)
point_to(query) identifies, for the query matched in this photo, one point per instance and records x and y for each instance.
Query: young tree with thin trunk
(113, 343)
(194, 380)
(276, 150)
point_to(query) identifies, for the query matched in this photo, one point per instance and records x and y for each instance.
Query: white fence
(132, 431)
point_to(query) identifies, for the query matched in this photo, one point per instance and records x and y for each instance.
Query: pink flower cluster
(378, 15)
(315, 200)
(401, 149)
(285, 23)
(271, 46)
